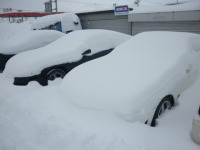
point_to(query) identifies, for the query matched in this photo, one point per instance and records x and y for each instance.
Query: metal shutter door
(120, 25)
(138, 27)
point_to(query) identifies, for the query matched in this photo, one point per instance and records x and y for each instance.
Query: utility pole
(48, 6)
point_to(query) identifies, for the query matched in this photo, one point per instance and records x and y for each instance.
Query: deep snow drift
(39, 118)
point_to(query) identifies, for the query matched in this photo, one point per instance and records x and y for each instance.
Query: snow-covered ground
(40, 118)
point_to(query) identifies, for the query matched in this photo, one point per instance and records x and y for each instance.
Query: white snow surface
(9, 30)
(40, 118)
(151, 63)
(28, 40)
(190, 6)
(67, 20)
(69, 48)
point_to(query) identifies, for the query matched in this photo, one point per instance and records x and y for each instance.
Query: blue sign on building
(121, 10)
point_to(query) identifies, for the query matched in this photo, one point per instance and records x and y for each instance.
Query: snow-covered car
(140, 79)
(24, 42)
(65, 22)
(195, 133)
(58, 58)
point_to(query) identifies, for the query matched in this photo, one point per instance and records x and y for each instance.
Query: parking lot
(37, 117)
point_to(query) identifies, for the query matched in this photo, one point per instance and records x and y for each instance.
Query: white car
(140, 79)
(195, 133)
(58, 58)
(24, 42)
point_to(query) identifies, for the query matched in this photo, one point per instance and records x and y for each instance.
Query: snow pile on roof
(67, 19)
(69, 48)
(168, 8)
(128, 78)
(28, 40)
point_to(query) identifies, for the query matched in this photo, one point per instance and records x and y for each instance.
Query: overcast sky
(35, 5)
(38, 5)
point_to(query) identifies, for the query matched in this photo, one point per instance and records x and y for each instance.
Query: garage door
(120, 25)
(138, 27)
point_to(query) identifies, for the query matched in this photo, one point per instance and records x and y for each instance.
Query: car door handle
(189, 68)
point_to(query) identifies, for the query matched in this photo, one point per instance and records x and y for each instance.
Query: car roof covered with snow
(132, 74)
(69, 21)
(28, 40)
(67, 49)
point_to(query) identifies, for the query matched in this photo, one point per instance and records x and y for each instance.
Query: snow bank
(68, 21)
(39, 118)
(135, 76)
(190, 6)
(69, 48)
(28, 40)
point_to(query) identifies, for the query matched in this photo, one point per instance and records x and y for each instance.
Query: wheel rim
(55, 75)
(165, 105)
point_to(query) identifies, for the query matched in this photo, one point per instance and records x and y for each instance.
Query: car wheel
(51, 75)
(165, 104)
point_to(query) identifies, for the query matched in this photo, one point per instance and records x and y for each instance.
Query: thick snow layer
(68, 21)
(144, 68)
(168, 8)
(69, 48)
(39, 118)
(28, 40)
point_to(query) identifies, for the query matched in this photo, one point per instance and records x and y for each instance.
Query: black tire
(166, 103)
(52, 75)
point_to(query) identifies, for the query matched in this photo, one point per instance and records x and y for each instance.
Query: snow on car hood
(69, 48)
(28, 40)
(138, 70)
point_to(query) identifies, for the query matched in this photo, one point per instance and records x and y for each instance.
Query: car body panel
(136, 76)
(195, 132)
(68, 49)
(67, 67)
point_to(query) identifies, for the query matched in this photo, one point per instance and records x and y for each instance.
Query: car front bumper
(25, 80)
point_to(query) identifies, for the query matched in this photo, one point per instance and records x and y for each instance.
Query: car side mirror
(86, 52)
(76, 23)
